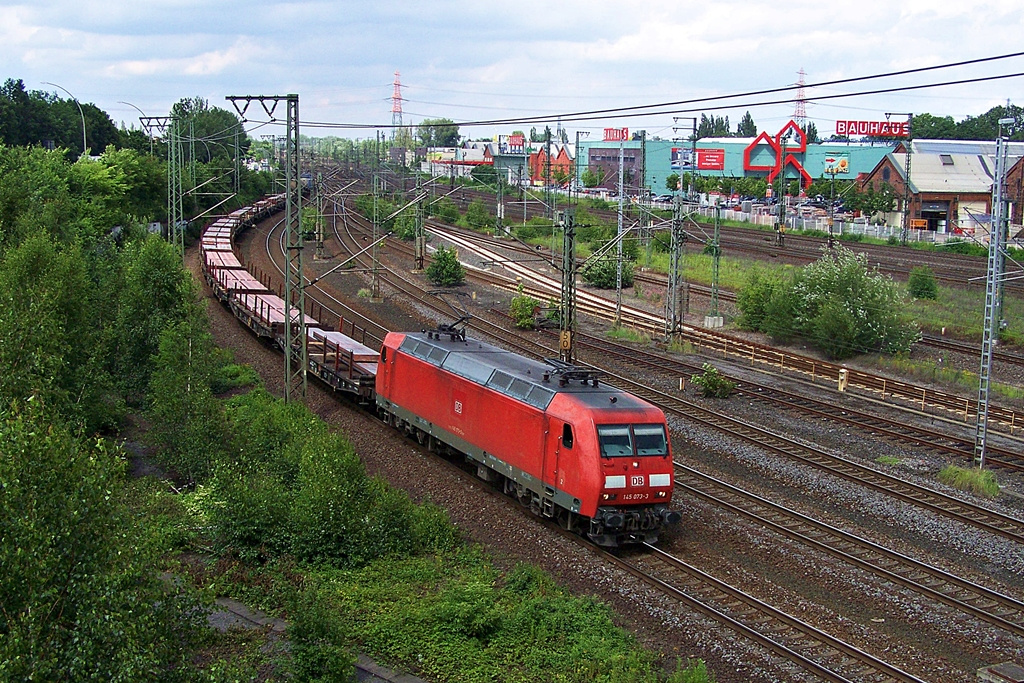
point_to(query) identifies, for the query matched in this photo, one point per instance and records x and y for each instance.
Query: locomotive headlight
(660, 494)
(609, 496)
(661, 479)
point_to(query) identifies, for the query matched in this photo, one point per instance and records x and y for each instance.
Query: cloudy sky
(482, 60)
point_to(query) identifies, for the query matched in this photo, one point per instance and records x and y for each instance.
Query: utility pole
(908, 144)
(618, 248)
(674, 303)
(175, 201)
(420, 238)
(319, 254)
(567, 309)
(716, 252)
(296, 360)
(990, 332)
(499, 212)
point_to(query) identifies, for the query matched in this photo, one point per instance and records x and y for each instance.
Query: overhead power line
(720, 101)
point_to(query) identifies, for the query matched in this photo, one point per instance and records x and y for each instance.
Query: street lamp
(79, 110)
(143, 114)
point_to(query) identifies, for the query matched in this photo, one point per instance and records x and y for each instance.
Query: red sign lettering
(616, 134)
(896, 129)
(711, 159)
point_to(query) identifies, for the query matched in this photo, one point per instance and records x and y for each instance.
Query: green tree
(712, 383)
(672, 182)
(445, 268)
(590, 178)
(81, 595)
(150, 299)
(185, 417)
(746, 128)
(446, 210)
(928, 127)
(438, 133)
(812, 132)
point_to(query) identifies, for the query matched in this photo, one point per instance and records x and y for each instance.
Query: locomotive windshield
(632, 440)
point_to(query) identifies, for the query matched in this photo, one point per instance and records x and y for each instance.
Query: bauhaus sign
(896, 129)
(616, 134)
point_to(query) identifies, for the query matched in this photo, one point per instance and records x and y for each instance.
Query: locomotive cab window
(567, 436)
(615, 440)
(383, 354)
(650, 440)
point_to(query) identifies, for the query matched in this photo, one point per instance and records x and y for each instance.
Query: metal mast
(716, 252)
(567, 312)
(175, 211)
(296, 361)
(990, 332)
(618, 248)
(675, 310)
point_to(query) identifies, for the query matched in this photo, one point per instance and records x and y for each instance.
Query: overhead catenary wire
(721, 100)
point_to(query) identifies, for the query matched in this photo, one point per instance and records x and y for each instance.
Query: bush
(522, 309)
(445, 209)
(445, 268)
(603, 274)
(840, 302)
(712, 384)
(477, 215)
(921, 284)
(752, 300)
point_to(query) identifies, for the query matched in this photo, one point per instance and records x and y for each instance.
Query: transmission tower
(396, 106)
(296, 360)
(800, 107)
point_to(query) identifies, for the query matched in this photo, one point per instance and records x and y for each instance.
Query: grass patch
(890, 460)
(364, 293)
(973, 480)
(628, 334)
(935, 372)
(234, 376)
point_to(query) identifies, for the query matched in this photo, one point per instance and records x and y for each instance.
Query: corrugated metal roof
(929, 172)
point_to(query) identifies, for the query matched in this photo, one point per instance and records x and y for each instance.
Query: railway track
(962, 447)
(544, 287)
(660, 282)
(800, 643)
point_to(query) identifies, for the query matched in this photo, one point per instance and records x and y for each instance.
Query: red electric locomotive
(594, 457)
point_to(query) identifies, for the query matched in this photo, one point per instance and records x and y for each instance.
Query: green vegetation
(712, 383)
(890, 460)
(522, 309)
(603, 273)
(921, 284)
(629, 334)
(974, 480)
(837, 303)
(445, 268)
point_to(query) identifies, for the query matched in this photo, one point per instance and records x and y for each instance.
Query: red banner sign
(896, 129)
(710, 159)
(616, 134)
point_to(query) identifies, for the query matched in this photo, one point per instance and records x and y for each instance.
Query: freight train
(569, 447)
